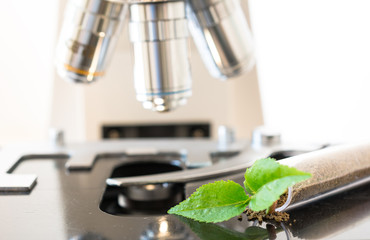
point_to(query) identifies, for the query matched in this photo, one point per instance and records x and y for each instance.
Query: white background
(27, 38)
(314, 67)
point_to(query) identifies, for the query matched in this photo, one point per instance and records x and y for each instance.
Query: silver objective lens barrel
(159, 36)
(158, 31)
(89, 34)
(221, 33)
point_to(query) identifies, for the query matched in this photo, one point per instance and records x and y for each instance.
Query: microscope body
(159, 33)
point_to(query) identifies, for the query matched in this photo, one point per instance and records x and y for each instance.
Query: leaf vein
(227, 205)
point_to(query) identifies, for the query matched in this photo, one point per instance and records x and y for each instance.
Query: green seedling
(264, 182)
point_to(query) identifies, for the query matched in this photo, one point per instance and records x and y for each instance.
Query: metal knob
(263, 136)
(226, 136)
(56, 136)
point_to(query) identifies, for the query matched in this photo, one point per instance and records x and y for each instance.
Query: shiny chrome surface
(221, 33)
(83, 157)
(56, 137)
(158, 30)
(226, 136)
(11, 158)
(150, 192)
(65, 205)
(198, 153)
(159, 36)
(235, 164)
(238, 164)
(263, 136)
(148, 1)
(88, 37)
(164, 229)
(356, 153)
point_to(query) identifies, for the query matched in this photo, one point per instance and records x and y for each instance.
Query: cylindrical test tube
(334, 170)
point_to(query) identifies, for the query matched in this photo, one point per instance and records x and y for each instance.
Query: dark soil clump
(283, 198)
(262, 215)
(271, 214)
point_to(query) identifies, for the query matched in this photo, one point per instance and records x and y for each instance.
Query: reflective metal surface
(263, 136)
(85, 156)
(159, 36)
(66, 205)
(226, 136)
(56, 137)
(90, 31)
(158, 31)
(221, 33)
(238, 162)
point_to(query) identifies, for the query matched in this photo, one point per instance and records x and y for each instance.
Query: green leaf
(210, 231)
(214, 202)
(267, 180)
(272, 191)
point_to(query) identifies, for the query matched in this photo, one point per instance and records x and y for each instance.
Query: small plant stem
(272, 208)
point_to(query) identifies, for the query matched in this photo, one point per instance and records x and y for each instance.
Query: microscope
(122, 189)
(159, 33)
